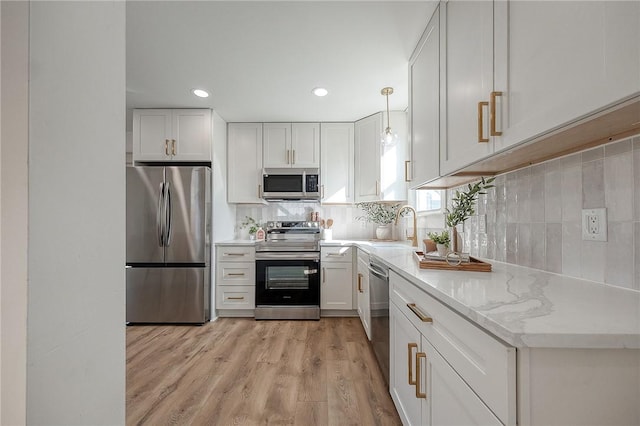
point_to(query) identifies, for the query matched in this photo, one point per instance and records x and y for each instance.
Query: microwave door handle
(159, 215)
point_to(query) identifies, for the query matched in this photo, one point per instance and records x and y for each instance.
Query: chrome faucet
(414, 238)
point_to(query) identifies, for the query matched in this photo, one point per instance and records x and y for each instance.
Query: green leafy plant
(463, 203)
(250, 223)
(441, 238)
(380, 213)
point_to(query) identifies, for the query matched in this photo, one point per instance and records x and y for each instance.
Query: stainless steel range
(287, 272)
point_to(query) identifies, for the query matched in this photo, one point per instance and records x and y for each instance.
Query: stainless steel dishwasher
(379, 308)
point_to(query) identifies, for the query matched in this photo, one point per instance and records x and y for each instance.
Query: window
(429, 200)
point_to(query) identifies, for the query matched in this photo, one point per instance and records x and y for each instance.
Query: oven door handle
(287, 256)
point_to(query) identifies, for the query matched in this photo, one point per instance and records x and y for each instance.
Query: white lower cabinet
(235, 283)
(445, 370)
(336, 280)
(363, 292)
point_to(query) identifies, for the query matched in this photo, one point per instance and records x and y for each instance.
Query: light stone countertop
(524, 307)
(236, 243)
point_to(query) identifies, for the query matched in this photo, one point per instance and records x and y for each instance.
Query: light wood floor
(238, 371)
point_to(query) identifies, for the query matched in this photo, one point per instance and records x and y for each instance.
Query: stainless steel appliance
(287, 272)
(168, 244)
(379, 308)
(290, 184)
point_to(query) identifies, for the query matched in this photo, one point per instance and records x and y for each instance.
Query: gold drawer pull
(360, 282)
(492, 113)
(410, 347)
(419, 394)
(236, 274)
(236, 298)
(233, 254)
(415, 310)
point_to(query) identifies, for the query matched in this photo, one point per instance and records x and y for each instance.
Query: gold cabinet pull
(324, 275)
(492, 113)
(166, 147)
(360, 282)
(419, 356)
(236, 274)
(410, 347)
(288, 156)
(406, 172)
(233, 254)
(293, 156)
(481, 106)
(415, 310)
(236, 298)
(173, 147)
(377, 192)
(259, 191)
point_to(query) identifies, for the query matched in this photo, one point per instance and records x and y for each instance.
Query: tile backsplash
(534, 215)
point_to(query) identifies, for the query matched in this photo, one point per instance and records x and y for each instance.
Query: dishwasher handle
(378, 271)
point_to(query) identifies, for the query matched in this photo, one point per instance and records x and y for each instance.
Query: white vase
(384, 232)
(442, 250)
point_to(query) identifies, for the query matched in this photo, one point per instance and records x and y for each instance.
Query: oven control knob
(278, 224)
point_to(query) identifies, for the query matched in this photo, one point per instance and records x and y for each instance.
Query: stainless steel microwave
(291, 184)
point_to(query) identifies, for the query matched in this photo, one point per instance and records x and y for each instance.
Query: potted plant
(442, 242)
(463, 207)
(250, 225)
(382, 214)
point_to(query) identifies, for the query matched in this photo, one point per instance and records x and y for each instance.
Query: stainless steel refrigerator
(168, 244)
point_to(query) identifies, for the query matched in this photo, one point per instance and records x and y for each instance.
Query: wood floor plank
(238, 371)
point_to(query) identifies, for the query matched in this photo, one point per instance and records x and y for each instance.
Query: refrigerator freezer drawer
(167, 295)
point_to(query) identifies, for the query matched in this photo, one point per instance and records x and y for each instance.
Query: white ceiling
(260, 60)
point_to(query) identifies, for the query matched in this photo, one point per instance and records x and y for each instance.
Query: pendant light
(388, 136)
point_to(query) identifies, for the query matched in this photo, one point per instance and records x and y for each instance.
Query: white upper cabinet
(467, 75)
(424, 105)
(172, 135)
(291, 145)
(566, 60)
(337, 165)
(380, 170)
(244, 162)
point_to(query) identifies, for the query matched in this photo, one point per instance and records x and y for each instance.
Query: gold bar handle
(236, 298)
(410, 347)
(233, 254)
(293, 156)
(166, 147)
(360, 282)
(492, 113)
(236, 274)
(377, 192)
(481, 105)
(406, 173)
(419, 355)
(415, 310)
(173, 147)
(259, 191)
(288, 156)
(324, 275)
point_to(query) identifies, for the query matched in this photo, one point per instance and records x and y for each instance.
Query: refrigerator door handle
(168, 208)
(159, 220)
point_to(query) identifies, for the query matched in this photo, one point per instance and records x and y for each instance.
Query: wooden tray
(474, 264)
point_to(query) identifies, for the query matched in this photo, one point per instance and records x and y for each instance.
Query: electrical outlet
(594, 224)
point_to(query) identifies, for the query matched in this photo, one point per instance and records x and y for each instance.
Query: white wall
(14, 116)
(76, 331)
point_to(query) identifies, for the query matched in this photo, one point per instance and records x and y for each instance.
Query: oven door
(287, 281)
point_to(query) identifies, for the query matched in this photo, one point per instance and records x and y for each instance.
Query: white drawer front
(336, 254)
(236, 273)
(235, 297)
(485, 363)
(235, 254)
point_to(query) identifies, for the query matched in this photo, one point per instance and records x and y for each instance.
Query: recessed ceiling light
(200, 93)
(320, 91)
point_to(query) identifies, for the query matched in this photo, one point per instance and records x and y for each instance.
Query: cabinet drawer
(336, 254)
(235, 254)
(235, 297)
(236, 273)
(485, 363)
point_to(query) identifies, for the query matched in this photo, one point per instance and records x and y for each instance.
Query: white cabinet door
(363, 294)
(152, 134)
(450, 400)
(244, 167)
(336, 285)
(192, 135)
(424, 105)
(277, 144)
(562, 72)
(466, 72)
(405, 342)
(305, 145)
(336, 171)
(367, 144)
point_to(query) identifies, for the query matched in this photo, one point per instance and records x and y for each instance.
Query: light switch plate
(594, 224)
